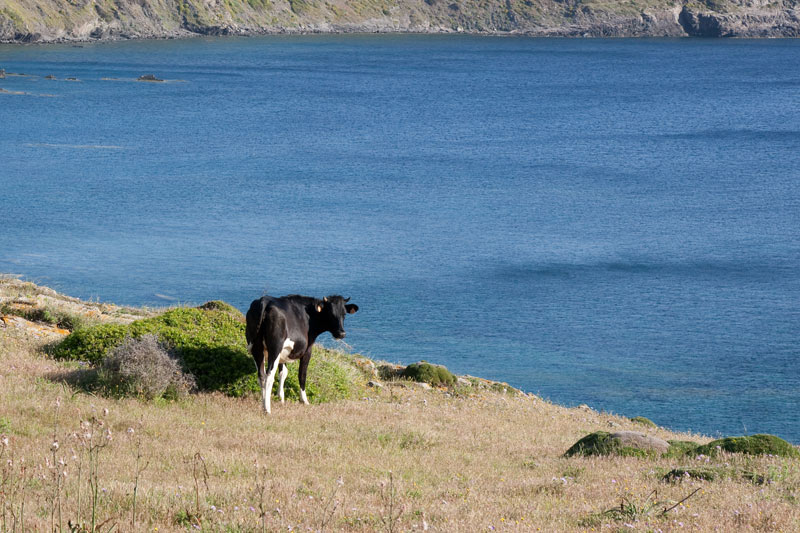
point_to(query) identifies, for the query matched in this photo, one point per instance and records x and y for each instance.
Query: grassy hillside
(399, 456)
(49, 20)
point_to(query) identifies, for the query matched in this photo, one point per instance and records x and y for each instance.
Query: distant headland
(25, 21)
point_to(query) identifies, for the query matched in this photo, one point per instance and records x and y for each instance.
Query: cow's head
(331, 312)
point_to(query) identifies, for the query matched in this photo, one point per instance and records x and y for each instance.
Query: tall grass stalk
(138, 472)
(390, 505)
(56, 470)
(260, 491)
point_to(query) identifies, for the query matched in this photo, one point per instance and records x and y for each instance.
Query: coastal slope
(86, 20)
(399, 455)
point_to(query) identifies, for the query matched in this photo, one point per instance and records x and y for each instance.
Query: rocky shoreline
(28, 21)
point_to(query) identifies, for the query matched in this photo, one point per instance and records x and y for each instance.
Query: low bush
(435, 375)
(211, 344)
(144, 368)
(761, 444)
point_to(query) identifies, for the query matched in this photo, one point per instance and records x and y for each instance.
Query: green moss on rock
(761, 444)
(624, 443)
(603, 443)
(597, 443)
(435, 375)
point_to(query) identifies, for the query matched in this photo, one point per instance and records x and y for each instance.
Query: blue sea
(608, 222)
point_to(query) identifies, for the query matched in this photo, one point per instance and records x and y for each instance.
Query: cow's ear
(351, 308)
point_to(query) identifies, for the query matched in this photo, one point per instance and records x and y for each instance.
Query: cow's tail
(256, 313)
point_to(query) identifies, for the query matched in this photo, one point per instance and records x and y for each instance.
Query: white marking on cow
(303, 396)
(250, 348)
(284, 373)
(288, 345)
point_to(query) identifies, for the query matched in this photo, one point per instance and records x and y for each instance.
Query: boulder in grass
(626, 443)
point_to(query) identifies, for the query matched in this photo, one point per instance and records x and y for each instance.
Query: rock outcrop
(83, 20)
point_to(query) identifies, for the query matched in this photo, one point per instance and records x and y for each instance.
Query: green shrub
(212, 347)
(91, 344)
(760, 444)
(210, 343)
(219, 305)
(435, 375)
(331, 376)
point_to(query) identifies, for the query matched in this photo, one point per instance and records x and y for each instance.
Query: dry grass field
(397, 458)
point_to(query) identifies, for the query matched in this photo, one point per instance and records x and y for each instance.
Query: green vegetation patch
(424, 372)
(643, 421)
(681, 448)
(15, 18)
(219, 305)
(704, 474)
(210, 343)
(761, 444)
(332, 376)
(47, 315)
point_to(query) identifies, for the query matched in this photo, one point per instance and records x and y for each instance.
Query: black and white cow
(281, 330)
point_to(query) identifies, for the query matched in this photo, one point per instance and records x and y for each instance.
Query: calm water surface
(610, 222)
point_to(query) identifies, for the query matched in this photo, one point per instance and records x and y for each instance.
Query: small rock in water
(49, 77)
(148, 77)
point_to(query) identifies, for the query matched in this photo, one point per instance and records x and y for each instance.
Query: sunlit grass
(397, 458)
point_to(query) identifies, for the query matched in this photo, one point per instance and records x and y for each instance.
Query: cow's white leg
(263, 382)
(266, 392)
(283, 357)
(284, 373)
(303, 397)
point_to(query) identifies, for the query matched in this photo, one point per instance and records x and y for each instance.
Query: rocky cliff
(77, 20)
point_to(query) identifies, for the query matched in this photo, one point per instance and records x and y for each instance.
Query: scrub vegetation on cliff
(61, 20)
(393, 455)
